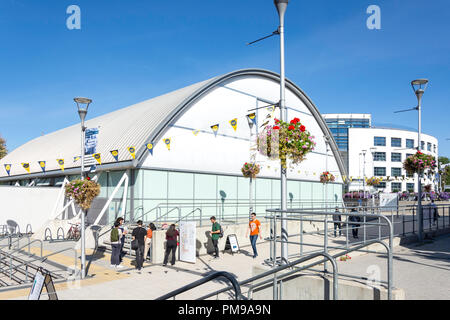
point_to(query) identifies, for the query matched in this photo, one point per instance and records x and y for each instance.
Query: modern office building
(339, 123)
(379, 152)
(187, 150)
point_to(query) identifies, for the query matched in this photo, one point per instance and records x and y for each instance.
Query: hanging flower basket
(82, 192)
(373, 181)
(286, 141)
(419, 162)
(250, 170)
(327, 177)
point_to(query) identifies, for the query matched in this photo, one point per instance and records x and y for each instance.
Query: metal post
(281, 6)
(83, 233)
(272, 258)
(250, 197)
(325, 240)
(419, 175)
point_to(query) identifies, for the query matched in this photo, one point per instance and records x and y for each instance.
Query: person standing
(139, 234)
(148, 240)
(124, 230)
(434, 211)
(355, 225)
(254, 227)
(171, 244)
(115, 236)
(215, 235)
(337, 222)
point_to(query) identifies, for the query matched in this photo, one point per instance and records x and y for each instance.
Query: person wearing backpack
(116, 235)
(216, 233)
(139, 234)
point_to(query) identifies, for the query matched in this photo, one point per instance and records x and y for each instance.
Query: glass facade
(379, 156)
(396, 157)
(410, 143)
(396, 142)
(396, 186)
(379, 141)
(396, 172)
(410, 187)
(339, 129)
(379, 171)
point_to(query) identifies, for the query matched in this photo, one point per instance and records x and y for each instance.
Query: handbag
(134, 244)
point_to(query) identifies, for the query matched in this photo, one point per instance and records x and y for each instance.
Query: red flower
(276, 128)
(302, 128)
(293, 121)
(277, 121)
(291, 128)
(87, 178)
(296, 120)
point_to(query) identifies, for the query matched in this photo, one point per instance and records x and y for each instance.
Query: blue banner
(90, 141)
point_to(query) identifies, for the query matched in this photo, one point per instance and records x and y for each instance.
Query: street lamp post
(419, 86)
(83, 105)
(281, 6)
(364, 172)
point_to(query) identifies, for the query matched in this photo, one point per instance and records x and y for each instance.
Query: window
(410, 187)
(396, 142)
(410, 143)
(429, 146)
(409, 175)
(422, 145)
(381, 185)
(396, 172)
(434, 148)
(379, 156)
(379, 141)
(396, 186)
(409, 155)
(396, 157)
(379, 171)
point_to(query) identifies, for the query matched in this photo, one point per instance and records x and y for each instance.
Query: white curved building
(193, 168)
(385, 151)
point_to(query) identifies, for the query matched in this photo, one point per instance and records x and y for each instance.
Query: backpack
(221, 232)
(114, 235)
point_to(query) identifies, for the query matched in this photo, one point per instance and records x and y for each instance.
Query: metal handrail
(294, 263)
(227, 275)
(179, 213)
(199, 209)
(267, 273)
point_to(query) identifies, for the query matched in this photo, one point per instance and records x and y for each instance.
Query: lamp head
(281, 6)
(419, 86)
(83, 105)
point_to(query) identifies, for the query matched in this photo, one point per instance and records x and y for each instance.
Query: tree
(3, 150)
(444, 160)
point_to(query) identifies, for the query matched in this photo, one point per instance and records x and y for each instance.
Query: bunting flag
(215, 128)
(42, 165)
(132, 151)
(251, 119)
(167, 143)
(75, 159)
(234, 123)
(26, 166)
(271, 108)
(61, 163)
(115, 154)
(8, 169)
(150, 148)
(97, 157)
(195, 132)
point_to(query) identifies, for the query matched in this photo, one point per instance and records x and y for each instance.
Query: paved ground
(422, 271)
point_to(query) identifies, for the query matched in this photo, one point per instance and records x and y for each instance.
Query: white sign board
(233, 243)
(188, 241)
(388, 200)
(36, 289)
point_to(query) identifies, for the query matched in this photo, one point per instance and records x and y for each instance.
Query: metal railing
(210, 277)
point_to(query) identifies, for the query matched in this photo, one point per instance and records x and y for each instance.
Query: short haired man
(254, 227)
(215, 235)
(140, 234)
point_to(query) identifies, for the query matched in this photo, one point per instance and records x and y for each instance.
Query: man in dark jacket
(355, 226)
(139, 234)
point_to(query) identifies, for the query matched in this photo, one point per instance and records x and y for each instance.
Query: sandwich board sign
(232, 244)
(42, 278)
(188, 241)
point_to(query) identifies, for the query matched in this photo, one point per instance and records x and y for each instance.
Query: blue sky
(130, 51)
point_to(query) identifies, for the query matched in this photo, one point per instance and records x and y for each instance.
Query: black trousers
(355, 229)
(216, 247)
(140, 256)
(171, 245)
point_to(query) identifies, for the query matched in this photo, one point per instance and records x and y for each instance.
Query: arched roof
(135, 126)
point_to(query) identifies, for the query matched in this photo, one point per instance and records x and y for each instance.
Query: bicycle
(74, 232)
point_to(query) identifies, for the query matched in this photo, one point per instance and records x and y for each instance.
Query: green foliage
(3, 150)
(444, 160)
